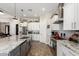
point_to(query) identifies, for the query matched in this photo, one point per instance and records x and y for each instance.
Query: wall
(12, 24)
(45, 32)
(2, 26)
(4, 20)
(43, 29)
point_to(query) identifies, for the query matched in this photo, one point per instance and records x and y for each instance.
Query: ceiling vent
(30, 10)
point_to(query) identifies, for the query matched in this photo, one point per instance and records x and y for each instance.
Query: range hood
(60, 14)
(59, 21)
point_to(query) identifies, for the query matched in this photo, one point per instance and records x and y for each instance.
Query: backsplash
(67, 33)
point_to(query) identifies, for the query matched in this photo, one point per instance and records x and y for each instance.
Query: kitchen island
(14, 46)
(67, 48)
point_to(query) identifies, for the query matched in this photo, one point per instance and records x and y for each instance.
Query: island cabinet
(15, 52)
(28, 46)
(23, 48)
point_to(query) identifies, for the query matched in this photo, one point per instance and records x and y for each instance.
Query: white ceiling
(36, 8)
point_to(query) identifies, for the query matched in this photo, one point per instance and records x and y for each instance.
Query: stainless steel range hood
(60, 14)
(59, 21)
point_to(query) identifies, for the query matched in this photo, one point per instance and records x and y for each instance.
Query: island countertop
(72, 46)
(7, 44)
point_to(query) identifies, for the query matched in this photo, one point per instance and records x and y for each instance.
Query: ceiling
(29, 9)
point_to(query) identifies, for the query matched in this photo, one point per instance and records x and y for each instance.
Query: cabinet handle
(74, 25)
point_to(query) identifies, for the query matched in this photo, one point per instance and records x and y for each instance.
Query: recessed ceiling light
(43, 9)
(35, 15)
(24, 15)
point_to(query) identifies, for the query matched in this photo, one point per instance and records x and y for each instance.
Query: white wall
(12, 24)
(2, 26)
(43, 29)
(45, 32)
(4, 20)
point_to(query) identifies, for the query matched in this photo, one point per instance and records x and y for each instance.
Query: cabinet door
(28, 45)
(36, 37)
(77, 13)
(23, 49)
(68, 16)
(59, 49)
(15, 52)
(75, 27)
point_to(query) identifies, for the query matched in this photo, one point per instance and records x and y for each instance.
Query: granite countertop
(74, 47)
(7, 44)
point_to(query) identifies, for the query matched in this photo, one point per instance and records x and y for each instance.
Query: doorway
(7, 29)
(17, 29)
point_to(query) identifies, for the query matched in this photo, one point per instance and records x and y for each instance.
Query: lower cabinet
(53, 43)
(21, 50)
(28, 46)
(15, 52)
(64, 50)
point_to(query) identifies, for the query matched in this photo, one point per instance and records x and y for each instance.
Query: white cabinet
(71, 16)
(36, 37)
(77, 24)
(34, 26)
(59, 50)
(62, 50)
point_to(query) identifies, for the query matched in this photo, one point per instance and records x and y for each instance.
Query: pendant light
(15, 12)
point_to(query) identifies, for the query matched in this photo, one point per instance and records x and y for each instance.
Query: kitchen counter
(73, 48)
(7, 44)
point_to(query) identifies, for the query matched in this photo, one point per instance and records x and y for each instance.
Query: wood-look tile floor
(40, 49)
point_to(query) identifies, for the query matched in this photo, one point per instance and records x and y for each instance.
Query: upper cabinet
(71, 19)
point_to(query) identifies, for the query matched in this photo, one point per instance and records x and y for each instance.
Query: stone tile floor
(40, 49)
